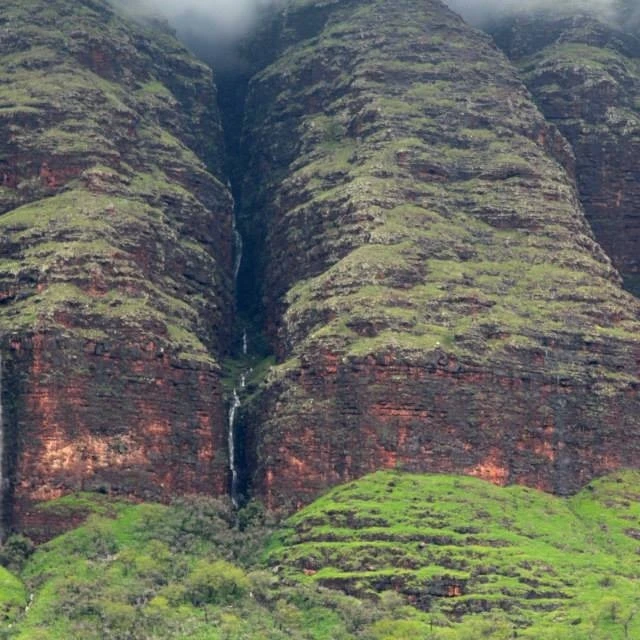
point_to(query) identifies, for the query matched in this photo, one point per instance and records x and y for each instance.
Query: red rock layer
(331, 421)
(584, 74)
(125, 420)
(432, 289)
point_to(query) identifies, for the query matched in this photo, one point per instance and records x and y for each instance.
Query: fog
(211, 28)
(480, 12)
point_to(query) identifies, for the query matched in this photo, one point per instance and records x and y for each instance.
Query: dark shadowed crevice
(11, 381)
(248, 353)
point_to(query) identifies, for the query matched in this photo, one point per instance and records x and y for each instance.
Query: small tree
(216, 582)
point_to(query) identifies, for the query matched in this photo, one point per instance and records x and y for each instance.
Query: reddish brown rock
(123, 419)
(116, 292)
(431, 287)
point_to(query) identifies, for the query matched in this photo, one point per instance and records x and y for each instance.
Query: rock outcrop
(116, 293)
(584, 73)
(416, 253)
(432, 289)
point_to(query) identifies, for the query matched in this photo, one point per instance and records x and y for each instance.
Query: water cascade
(239, 383)
(231, 436)
(237, 239)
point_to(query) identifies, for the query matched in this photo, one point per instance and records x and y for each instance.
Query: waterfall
(237, 239)
(1, 432)
(242, 381)
(231, 436)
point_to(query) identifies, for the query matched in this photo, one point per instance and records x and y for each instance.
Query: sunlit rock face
(115, 258)
(432, 289)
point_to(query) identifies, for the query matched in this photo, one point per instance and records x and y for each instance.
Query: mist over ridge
(212, 28)
(481, 12)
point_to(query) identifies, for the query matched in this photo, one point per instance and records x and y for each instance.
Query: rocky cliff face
(584, 74)
(431, 288)
(115, 258)
(416, 253)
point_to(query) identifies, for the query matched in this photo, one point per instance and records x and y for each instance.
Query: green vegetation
(427, 208)
(105, 190)
(545, 566)
(389, 557)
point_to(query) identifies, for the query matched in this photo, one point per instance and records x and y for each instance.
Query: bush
(95, 540)
(389, 629)
(15, 552)
(216, 582)
(118, 619)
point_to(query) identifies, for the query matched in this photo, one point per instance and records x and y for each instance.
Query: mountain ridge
(416, 260)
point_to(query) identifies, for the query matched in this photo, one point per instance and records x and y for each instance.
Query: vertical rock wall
(116, 292)
(432, 289)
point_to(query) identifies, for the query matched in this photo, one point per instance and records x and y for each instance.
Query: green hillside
(391, 556)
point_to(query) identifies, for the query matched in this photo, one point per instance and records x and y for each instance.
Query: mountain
(433, 292)
(380, 242)
(116, 285)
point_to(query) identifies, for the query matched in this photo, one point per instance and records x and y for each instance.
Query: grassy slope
(466, 229)
(130, 200)
(526, 561)
(549, 563)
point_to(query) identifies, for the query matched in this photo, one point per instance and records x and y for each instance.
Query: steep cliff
(115, 258)
(431, 287)
(416, 253)
(584, 74)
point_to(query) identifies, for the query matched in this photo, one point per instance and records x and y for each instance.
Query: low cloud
(480, 12)
(211, 28)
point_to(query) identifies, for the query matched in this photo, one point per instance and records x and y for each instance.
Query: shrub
(15, 552)
(389, 629)
(216, 582)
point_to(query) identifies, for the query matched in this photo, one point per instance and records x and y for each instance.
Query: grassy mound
(391, 556)
(463, 547)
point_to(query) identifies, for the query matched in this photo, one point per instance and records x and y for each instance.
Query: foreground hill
(390, 557)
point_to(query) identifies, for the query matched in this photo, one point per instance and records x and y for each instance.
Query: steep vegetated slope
(115, 258)
(389, 557)
(431, 287)
(585, 76)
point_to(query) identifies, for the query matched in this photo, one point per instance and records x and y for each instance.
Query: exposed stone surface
(416, 252)
(115, 258)
(432, 289)
(585, 76)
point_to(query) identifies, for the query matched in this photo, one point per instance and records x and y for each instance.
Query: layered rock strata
(584, 73)
(432, 289)
(116, 291)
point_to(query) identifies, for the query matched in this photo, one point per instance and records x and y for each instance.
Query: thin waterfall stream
(231, 436)
(239, 387)
(2, 472)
